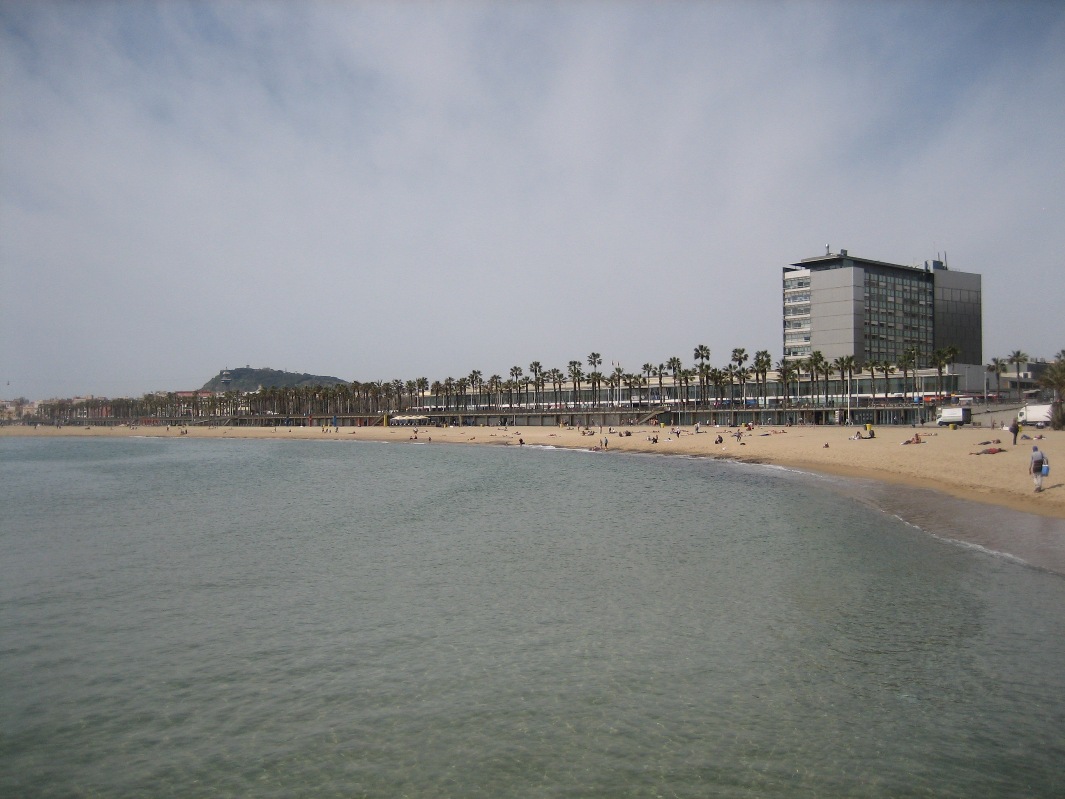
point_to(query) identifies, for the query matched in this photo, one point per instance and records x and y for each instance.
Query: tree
(576, 376)
(888, 368)
(940, 359)
(613, 383)
(762, 363)
(701, 356)
(718, 377)
(743, 374)
(619, 378)
(675, 366)
(739, 357)
(907, 363)
(786, 373)
(840, 365)
(495, 390)
(1053, 378)
(536, 369)
(998, 367)
(816, 364)
(1017, 357)
(730, 373)
(476, 382)
(595, 378)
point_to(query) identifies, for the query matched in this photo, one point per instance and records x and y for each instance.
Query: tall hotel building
(876, 311)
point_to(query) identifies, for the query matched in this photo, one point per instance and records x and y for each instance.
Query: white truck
(945, 416)
(1038, 415)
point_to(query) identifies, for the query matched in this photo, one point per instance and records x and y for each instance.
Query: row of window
(896, 279)
(958, 295)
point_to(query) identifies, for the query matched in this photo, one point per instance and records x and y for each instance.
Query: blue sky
(394, 190)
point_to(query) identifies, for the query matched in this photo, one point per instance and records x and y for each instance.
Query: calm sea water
(278, 619)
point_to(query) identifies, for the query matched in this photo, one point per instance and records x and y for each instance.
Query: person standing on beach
(1015, 428)
(1035, 467)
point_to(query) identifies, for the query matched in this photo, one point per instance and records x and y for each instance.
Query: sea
(241, 618)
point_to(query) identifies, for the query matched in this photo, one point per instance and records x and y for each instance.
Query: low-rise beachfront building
(844, 306)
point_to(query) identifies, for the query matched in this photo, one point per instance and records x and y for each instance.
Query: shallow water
(250, 618)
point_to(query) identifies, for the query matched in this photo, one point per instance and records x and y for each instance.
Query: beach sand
(942, 463)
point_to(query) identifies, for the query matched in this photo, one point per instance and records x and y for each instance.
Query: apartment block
(843, 305)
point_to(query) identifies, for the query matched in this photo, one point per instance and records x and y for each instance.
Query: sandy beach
(942, 462)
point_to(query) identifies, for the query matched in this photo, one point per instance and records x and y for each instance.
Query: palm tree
(595, 377)
(634, 383)
(786, 373)
(826, 372)
(705, 371)
(888, 368)
(1053, 377)
(575, 376)
(739, 357)
(701, 356)
(648, 371)
(475, 380)
(816, 363)
(805, 365)
(495, 391)
(686, 376)
(675, 366)
(940, 359)
(907, 363)
(536, 369)
(998, 367)
(743, 374)
(762, 363)
(619, 377)
(731, 372)
(595, 382)
(840, 365)
(660, 372)
(1017, 357)
(718, 377)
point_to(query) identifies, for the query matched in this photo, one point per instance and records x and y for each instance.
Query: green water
(278, 619)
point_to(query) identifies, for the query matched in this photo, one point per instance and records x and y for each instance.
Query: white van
(945, 416)
(1039, 415)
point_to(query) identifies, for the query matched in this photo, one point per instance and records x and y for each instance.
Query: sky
(382, 190)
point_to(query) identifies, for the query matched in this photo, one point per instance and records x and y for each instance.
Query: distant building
(875, 311)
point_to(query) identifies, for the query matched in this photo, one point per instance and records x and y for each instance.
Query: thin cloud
(395, 190)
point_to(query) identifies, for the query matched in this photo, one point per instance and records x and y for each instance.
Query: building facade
(842, 305)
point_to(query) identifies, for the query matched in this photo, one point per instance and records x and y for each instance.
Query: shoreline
(942, 462)
(985, 502)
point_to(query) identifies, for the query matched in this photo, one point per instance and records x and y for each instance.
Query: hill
(248, 379)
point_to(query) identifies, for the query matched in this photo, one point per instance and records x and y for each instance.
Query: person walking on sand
(1015, 428)
(1035, 467)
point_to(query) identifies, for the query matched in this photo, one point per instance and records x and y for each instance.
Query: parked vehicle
(945, 416)
(1039, 415)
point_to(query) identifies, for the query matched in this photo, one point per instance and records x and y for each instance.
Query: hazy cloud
(391, 190)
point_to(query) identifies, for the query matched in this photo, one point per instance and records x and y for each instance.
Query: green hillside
(248, 379)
